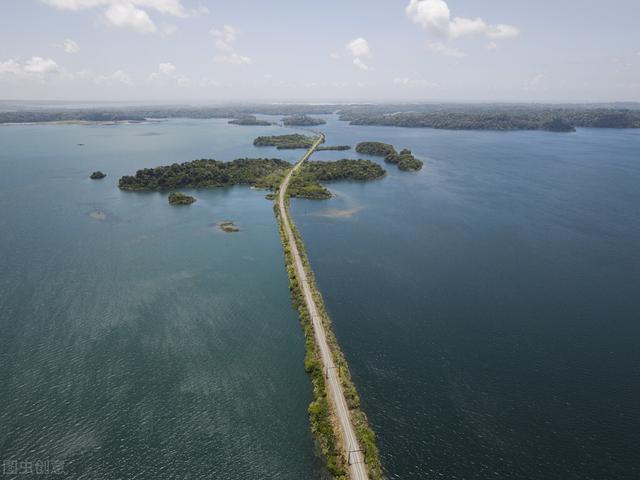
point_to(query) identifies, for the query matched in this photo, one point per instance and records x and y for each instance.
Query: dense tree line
(555, 120)
(405, 160)
(249, 120)
(377, 149)
(285, 142)
(306, 183)
(333, 147)
(302, 121)
(203, 173)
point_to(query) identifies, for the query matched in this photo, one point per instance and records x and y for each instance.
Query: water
(487, 306)
(137, 339)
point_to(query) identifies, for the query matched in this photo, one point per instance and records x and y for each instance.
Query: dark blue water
(137, 340)
(489, 305)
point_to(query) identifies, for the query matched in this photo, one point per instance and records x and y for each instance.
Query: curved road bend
(357, 468)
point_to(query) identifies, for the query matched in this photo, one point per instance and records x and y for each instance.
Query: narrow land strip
(353, 453)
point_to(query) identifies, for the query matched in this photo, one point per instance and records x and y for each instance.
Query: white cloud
(41, 65)
(132, 14)
(36, 68)
(334, 56)
(442, 49)
(361, 65)
(233, 59)
(10, 67)
(166, 7)
(128, 16)
(359, 47)
(168, 70)
(225, 38)
(117, 77)
(491, 45)
(227, 33)
(413, 82)
(70, 46)
(435, 16)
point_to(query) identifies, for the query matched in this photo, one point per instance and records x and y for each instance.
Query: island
(177, 198)
(333, 147)
(302, 121)
(405, 160)
(228, 226)
(285, 142)
(306, 182)
(258, 173)
(98, 175)
(249, 120)
(205, 173)
(377, 149)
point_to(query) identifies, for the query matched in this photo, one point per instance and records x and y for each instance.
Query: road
(357, 467)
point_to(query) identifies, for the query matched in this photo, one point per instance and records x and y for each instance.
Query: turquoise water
(487, 305)
(138, 339)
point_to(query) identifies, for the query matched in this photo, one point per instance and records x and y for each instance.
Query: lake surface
(139, 340)
(488, 306)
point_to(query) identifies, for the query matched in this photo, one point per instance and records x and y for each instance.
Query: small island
(333, 147)
(377, 149)
(285, 142)
(302, 121)
(177, 198)
(405, 160)
(206, 174)
(249, 120)
(98, 175)
(306, 182)
(228, 226)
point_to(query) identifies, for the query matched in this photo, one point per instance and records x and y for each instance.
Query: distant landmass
(249, 120)
(302, 121)
(553, 118)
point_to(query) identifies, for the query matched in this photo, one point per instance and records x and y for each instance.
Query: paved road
(357, 467)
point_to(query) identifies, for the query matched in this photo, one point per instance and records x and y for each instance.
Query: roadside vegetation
(323, 424)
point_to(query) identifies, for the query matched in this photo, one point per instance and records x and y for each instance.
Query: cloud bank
(435, 16)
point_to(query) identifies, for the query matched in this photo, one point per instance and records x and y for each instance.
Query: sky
(320, 51)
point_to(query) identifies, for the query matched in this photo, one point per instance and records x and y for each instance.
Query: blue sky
(409, 50)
